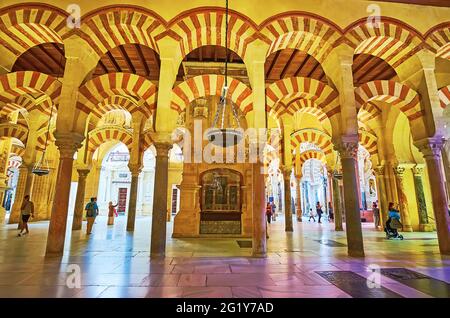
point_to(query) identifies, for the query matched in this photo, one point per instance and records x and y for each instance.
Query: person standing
(269, 212)
(311, 216)
(91, 213)
(330, 212)
(111, 213)
(26, 211)
(376, 215)
(319, 211)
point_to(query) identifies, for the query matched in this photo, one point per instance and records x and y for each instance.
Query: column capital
(83, 173)
(348, 147)
(162, 148)
(418, 170)
(399, 171)
(430, 147)
(379, 170)
(135, 169)
(68, 143)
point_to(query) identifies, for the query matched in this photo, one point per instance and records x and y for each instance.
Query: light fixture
(41, 167)
(220, 135)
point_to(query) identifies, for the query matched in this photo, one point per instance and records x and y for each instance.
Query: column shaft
(79, 201)
(132, 204)
(337, 205)
(404, 209)
(348, 152)
(298, 203)
(287, 201)
(23, 188)
(424, 225)
(159, 216)
(259, 236)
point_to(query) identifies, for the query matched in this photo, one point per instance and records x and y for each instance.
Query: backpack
(90, 209)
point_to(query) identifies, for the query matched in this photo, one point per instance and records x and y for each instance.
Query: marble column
(337, 205)
(432, 149)
(159, 216)
(380, 172)
(424, 225)
(259, 235)
(288, 227)
(348, 151)
(67, 144)
(298, 203)
(79, 201)
(135, 171)
(403, 200)
(24, 185)
(446, 164)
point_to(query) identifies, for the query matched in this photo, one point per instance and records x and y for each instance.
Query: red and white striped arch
(299, 105)
(13, 85)
(325, 97)
(108, 28)
(307, 155)
(146, 140)
(42, 139)
(101, 135)
(207, 27)
(368, 111)
(439, 39)
(10, 130)
(118, 102)
(131, 86)
(302, 32)
(389, 40)
(17, 150)
(26, 25)
(368, 141)
(444, 96)
(397, 94)
(211, 85)
(314, 136)
(26, 102)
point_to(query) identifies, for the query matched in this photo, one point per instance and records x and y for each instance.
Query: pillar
(159, 216)
(424, 225)
(259, 235)
(79, 201)
(23, 188)
(380, 172)
(348, 151)
(446, 164)
(403, 201)
(288, 227)
(298, 203)
(135, 171)
(67, 144)
(431, 148)
(337, 205)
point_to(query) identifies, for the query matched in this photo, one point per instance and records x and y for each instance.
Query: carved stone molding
(399, 171)
(430, 147)
(83, 173)
(379, 170)
(162, 148)
(418, 170)
(347, 149)
(68, 143)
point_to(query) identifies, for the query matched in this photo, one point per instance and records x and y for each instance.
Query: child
(311, 215)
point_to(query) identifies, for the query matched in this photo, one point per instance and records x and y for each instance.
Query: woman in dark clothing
(319, 211)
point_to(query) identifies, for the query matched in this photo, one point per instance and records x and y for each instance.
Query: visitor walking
(330, 212)
(376, 215)
(319, 211)
(91, 214)
(269, 212)
(111, 213)
(26, 211)
(311, 215)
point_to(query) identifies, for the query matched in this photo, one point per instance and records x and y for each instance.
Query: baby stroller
(391, 229)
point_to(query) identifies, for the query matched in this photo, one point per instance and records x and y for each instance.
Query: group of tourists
(92, 212)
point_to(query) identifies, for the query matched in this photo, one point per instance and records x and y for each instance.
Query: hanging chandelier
(41, 168)
(220, 135)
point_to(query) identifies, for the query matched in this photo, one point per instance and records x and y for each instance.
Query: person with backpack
(91, 213)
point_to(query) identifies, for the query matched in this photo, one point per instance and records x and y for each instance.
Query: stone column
(348, 151)
(23, 188)
(79, 201)
(381, 190)
(424, 225)
(298, 203)
(404, 210)
(67, 143)
(159, 217)
(337, 205)
(432, 149)
(288, 227)
(135, 171)
(259, 236)
(446, 164)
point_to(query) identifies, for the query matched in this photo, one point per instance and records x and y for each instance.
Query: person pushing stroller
(393, 223)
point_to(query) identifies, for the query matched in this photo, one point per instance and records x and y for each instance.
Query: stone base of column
(356, 253)
(426, 227)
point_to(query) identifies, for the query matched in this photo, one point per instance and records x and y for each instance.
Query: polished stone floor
(114, 263)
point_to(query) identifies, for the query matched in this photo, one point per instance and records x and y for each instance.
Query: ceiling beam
(286, 66)
(275, 58)
(113, 61)
(127, 59)
(141, 57)
(302, 65)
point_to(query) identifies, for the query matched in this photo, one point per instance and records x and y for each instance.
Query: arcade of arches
(362, 112)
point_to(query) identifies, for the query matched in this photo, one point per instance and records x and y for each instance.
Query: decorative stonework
(379, 170)
(399, 171)
(68, 143)
(430, 147)
(347, 149)
(162, 149)
(420, 196)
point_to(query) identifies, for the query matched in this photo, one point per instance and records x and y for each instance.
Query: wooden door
(122, 202)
